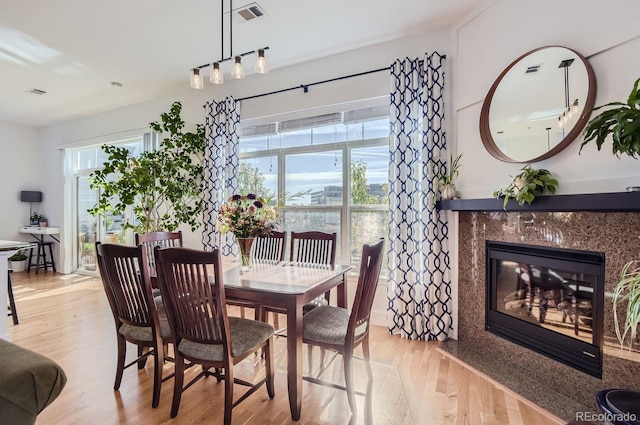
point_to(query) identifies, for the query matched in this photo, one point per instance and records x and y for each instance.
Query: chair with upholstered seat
(269, 248)
(153, 239)
(204, 333)
(125, 277)
(309, 248)
(337, 329)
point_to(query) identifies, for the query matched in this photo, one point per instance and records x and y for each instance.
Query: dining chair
(13, 312)
(125, 276)
(270, 248)
(309, 248)
(204, 333)
(337, 329)
(153, 239)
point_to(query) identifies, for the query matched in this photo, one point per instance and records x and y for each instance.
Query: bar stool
(12, 304)
(41, 257)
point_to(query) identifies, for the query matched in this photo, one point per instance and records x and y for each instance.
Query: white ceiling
(74, 49)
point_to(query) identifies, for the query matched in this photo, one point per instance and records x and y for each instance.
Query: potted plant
(35, 218)
(445, 178)
(18, 261)
(622, 122)
(43, 222)
(626, 297)
(164, 187)
(526, 185)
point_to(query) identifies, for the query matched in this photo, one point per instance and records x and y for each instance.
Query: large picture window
(327, 173)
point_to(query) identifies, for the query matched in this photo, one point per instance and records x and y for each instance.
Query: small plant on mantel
(526, 185)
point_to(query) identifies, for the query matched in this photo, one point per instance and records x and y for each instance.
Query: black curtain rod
(305, 87)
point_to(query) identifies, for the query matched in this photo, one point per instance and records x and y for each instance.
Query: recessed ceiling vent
(35, 91)
(248, 12)
(532, 69)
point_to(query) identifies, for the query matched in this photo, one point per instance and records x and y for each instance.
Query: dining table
(287, 285)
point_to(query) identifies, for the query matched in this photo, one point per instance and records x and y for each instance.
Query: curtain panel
(222, 118)
(419, 285)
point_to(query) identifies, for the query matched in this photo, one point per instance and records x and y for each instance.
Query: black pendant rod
(305, 87)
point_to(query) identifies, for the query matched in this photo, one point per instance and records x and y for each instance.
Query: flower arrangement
(246, 217)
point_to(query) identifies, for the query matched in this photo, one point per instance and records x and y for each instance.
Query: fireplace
(549, 300)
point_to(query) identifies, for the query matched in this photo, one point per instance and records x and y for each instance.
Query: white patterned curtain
(419, 286)
(220, 169)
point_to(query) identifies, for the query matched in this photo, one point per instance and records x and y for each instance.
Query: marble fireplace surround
(608, 223)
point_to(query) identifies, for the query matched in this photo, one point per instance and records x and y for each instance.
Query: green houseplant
(446, 176)
(526, 185)
(164, 187)
(36, 218)
(622, 122)
(626, 297)
(18, 260)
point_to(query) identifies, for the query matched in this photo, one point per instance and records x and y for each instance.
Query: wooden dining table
(290, 286)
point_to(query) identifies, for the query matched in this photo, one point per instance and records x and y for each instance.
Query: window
(327, 173)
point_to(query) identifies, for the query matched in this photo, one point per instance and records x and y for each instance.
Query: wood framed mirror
(538, 105)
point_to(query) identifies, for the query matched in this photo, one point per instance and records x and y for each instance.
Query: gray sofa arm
(29, 382)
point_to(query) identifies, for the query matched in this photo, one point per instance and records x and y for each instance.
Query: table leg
(342, 292)
(294, 358)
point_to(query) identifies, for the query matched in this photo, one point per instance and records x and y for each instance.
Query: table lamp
(30, 196)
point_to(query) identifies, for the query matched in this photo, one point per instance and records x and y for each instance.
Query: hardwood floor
(67, 318)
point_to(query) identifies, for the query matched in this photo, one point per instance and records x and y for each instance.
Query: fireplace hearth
(549, 300)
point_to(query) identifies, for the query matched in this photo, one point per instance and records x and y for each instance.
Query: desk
(288, 286)
(7, 249)
(40, 232)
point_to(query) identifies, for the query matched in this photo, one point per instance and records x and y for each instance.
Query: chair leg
(12, 301)
(177, 383)
(268, 367)
(143, 361)
(228, 393)
(367, 358)
(122, 351)
(158, 359)
(348, 380)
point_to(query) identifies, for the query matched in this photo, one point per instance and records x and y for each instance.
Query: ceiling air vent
(532, 69)
(248, 12)
(35, 91)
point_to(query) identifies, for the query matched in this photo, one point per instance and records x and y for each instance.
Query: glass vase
(245, 245)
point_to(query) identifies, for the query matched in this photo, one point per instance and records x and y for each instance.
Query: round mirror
(538, 105)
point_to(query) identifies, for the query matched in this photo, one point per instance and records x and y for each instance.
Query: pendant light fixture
(216, 75)
(261, 66)
(196, 80)
(238, 70)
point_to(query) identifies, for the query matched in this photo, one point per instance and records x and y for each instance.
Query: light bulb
(216, 76)
(261, 66)
(238, 70)
(196, 80)
(575, 107)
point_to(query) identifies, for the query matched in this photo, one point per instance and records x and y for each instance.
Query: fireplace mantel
(595, 202)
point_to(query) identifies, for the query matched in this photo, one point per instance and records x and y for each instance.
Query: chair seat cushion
(245, 334)
(328, 324)
(143, 333)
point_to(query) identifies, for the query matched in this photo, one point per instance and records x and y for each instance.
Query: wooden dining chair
(125, 276)
(204, 333)
(336, 329)
(153, 239)
(309, 248)
(269, 248)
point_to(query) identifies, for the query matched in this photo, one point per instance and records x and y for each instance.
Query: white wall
(490, 41)
(18, 171)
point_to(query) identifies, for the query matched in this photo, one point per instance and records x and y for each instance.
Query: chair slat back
(161, 239)
(313, 248)
(370, 266)
(270, 248)
(125, 278)
(196, 306)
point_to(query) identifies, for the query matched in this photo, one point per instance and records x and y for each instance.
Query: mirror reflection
(538, 105)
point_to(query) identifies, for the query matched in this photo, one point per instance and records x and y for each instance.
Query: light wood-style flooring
(67, 318)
